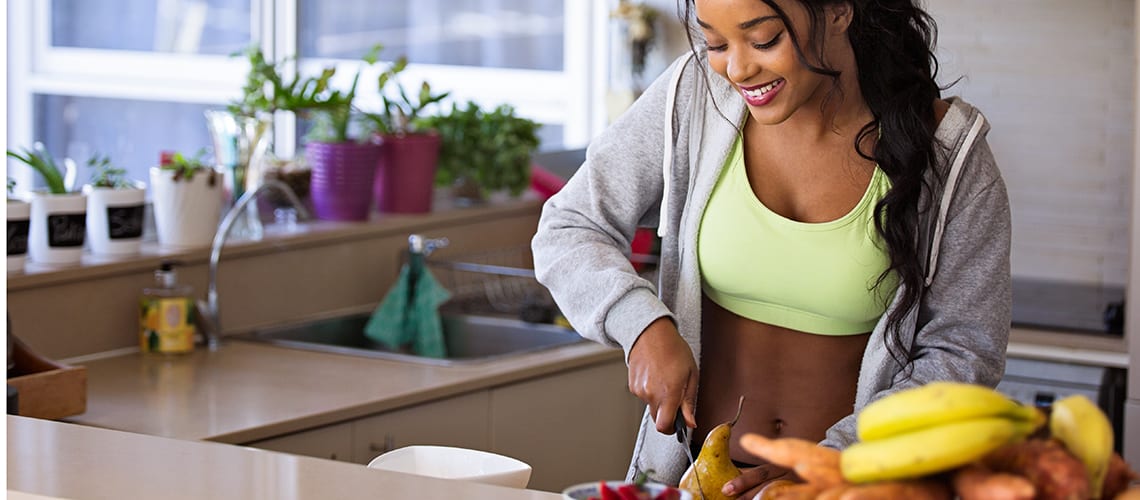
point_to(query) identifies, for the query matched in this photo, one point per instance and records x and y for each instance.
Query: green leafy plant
(187, 167)
(107, 175)
(41, 161)
(267, 90)
(493, 148)
(401, 117)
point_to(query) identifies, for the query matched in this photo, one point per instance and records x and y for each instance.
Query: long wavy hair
(893, 41)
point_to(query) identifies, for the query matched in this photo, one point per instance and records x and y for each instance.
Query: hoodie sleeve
(963, 318)
(581, 250)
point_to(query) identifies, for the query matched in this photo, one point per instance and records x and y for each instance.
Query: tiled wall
(1056, 80)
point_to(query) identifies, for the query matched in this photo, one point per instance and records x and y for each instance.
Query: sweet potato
(1119, 476)
(974, 482)
(772, 490)
(1132, 493)
(787, 452)
(1055, 474)
(798, 491)
(823, 475)
(911, 489)
(834, 493)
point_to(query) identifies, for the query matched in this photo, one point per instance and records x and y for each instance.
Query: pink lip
(764, 99)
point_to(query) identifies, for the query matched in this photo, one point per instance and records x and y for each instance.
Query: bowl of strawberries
(623, 490)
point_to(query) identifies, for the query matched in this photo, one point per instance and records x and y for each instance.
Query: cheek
(718, 64)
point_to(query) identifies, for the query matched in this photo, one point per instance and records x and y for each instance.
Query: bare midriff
(795, 384)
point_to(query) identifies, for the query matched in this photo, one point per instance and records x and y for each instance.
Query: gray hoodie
(958, 331)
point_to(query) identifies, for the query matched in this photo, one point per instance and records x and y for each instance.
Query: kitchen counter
(246, 391)
(54, 459)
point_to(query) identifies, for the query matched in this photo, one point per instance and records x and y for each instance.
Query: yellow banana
(934, 404)
(1087, 433)
(930, 450)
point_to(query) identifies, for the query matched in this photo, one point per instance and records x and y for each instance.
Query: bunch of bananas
(1087, 434)
(934, 428)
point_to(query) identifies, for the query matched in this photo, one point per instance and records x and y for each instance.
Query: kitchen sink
(469, 338)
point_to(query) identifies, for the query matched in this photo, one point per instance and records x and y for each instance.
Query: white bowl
(455, 463)
(586, 490)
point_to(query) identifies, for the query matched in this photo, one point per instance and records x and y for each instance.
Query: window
(131, 78)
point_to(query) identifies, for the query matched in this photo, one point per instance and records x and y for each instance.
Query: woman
(832, 229)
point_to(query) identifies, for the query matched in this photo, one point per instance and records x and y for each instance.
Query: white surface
(186, 212)
(587, 490)
(455, 463)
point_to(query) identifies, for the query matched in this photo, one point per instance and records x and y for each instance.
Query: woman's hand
(662, 373)
(752, 481)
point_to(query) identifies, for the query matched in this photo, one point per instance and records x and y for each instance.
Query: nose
(740, 67)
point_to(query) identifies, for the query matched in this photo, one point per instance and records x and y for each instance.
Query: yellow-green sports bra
(811, 277)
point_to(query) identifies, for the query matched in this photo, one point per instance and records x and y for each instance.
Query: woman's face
(751, 47)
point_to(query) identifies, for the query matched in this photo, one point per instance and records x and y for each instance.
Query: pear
(713, 467)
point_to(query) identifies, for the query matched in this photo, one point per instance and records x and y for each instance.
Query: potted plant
(115, 207)
(343, 169)
(188, 196)
(58, 216)
(483, 151)
(18, 223)
(405, 174)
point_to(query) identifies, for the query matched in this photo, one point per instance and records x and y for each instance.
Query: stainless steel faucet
(208, 312)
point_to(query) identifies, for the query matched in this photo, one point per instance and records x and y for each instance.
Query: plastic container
(166, 314)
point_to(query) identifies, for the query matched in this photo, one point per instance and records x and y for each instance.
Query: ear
(838, 16)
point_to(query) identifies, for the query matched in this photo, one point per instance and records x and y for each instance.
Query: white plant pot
(58, 228)
(186, 211)
(19, 213)
(115, 219)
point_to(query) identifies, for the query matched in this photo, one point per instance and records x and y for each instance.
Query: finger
(689, 400)
(666, 413)
(749, 478)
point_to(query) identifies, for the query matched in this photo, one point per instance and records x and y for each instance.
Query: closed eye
(718, 48)
(771, 43)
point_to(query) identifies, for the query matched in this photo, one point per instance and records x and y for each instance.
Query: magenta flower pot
(405, 174)
(342, 178)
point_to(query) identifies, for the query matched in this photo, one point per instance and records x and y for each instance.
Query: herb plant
(401, 117)
(107, 175)
(186, 168)
(493, 148)
(41, 161)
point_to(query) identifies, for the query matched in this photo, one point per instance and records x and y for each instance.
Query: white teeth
(762, 90)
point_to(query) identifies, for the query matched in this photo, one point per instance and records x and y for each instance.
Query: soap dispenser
(166, 314)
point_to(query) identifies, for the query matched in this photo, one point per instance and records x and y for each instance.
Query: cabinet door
(571, 427)
(333, 442)
(460, 421)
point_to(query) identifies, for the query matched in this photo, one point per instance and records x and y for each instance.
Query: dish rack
(498, 283)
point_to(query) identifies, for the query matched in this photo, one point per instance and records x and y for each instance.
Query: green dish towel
(409, 314)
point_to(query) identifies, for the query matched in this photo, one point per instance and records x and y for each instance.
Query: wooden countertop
(246, 391)
(61, 460)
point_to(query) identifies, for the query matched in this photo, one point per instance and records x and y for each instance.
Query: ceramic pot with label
(19, 212)
(58, 228)
(115, 219)
(186, 210)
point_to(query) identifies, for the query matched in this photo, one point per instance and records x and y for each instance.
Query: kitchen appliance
(1068, 306)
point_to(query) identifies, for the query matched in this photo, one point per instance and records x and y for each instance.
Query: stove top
(1068, 306)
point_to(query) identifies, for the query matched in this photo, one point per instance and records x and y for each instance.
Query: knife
(685, 437)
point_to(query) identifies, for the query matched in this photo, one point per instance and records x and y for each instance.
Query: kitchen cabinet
(460, 421)
(571, 427)
(333, 442)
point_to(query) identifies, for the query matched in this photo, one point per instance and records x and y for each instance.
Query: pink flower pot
(405, 174)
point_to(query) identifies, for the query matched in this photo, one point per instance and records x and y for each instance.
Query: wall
(1055, 79)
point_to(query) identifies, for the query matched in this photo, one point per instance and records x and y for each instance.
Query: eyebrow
(744, 25)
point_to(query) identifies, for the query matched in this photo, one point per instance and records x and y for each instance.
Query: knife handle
(679, 427)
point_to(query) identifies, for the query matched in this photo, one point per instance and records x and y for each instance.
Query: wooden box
(46, 389)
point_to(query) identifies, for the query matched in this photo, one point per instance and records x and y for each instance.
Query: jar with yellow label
(166, 314)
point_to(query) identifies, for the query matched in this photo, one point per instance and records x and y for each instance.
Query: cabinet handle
(389, 445)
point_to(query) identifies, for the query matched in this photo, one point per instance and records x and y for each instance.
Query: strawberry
(669, 493)
(606, 492)
(629, 492)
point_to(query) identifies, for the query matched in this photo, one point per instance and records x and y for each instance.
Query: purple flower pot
(405, 175)
(342, 178)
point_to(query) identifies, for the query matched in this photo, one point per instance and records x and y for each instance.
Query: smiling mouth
(760, 90)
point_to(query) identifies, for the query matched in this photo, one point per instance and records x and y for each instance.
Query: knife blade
(685, 437)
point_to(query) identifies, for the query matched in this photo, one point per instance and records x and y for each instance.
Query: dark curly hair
(893, 42)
